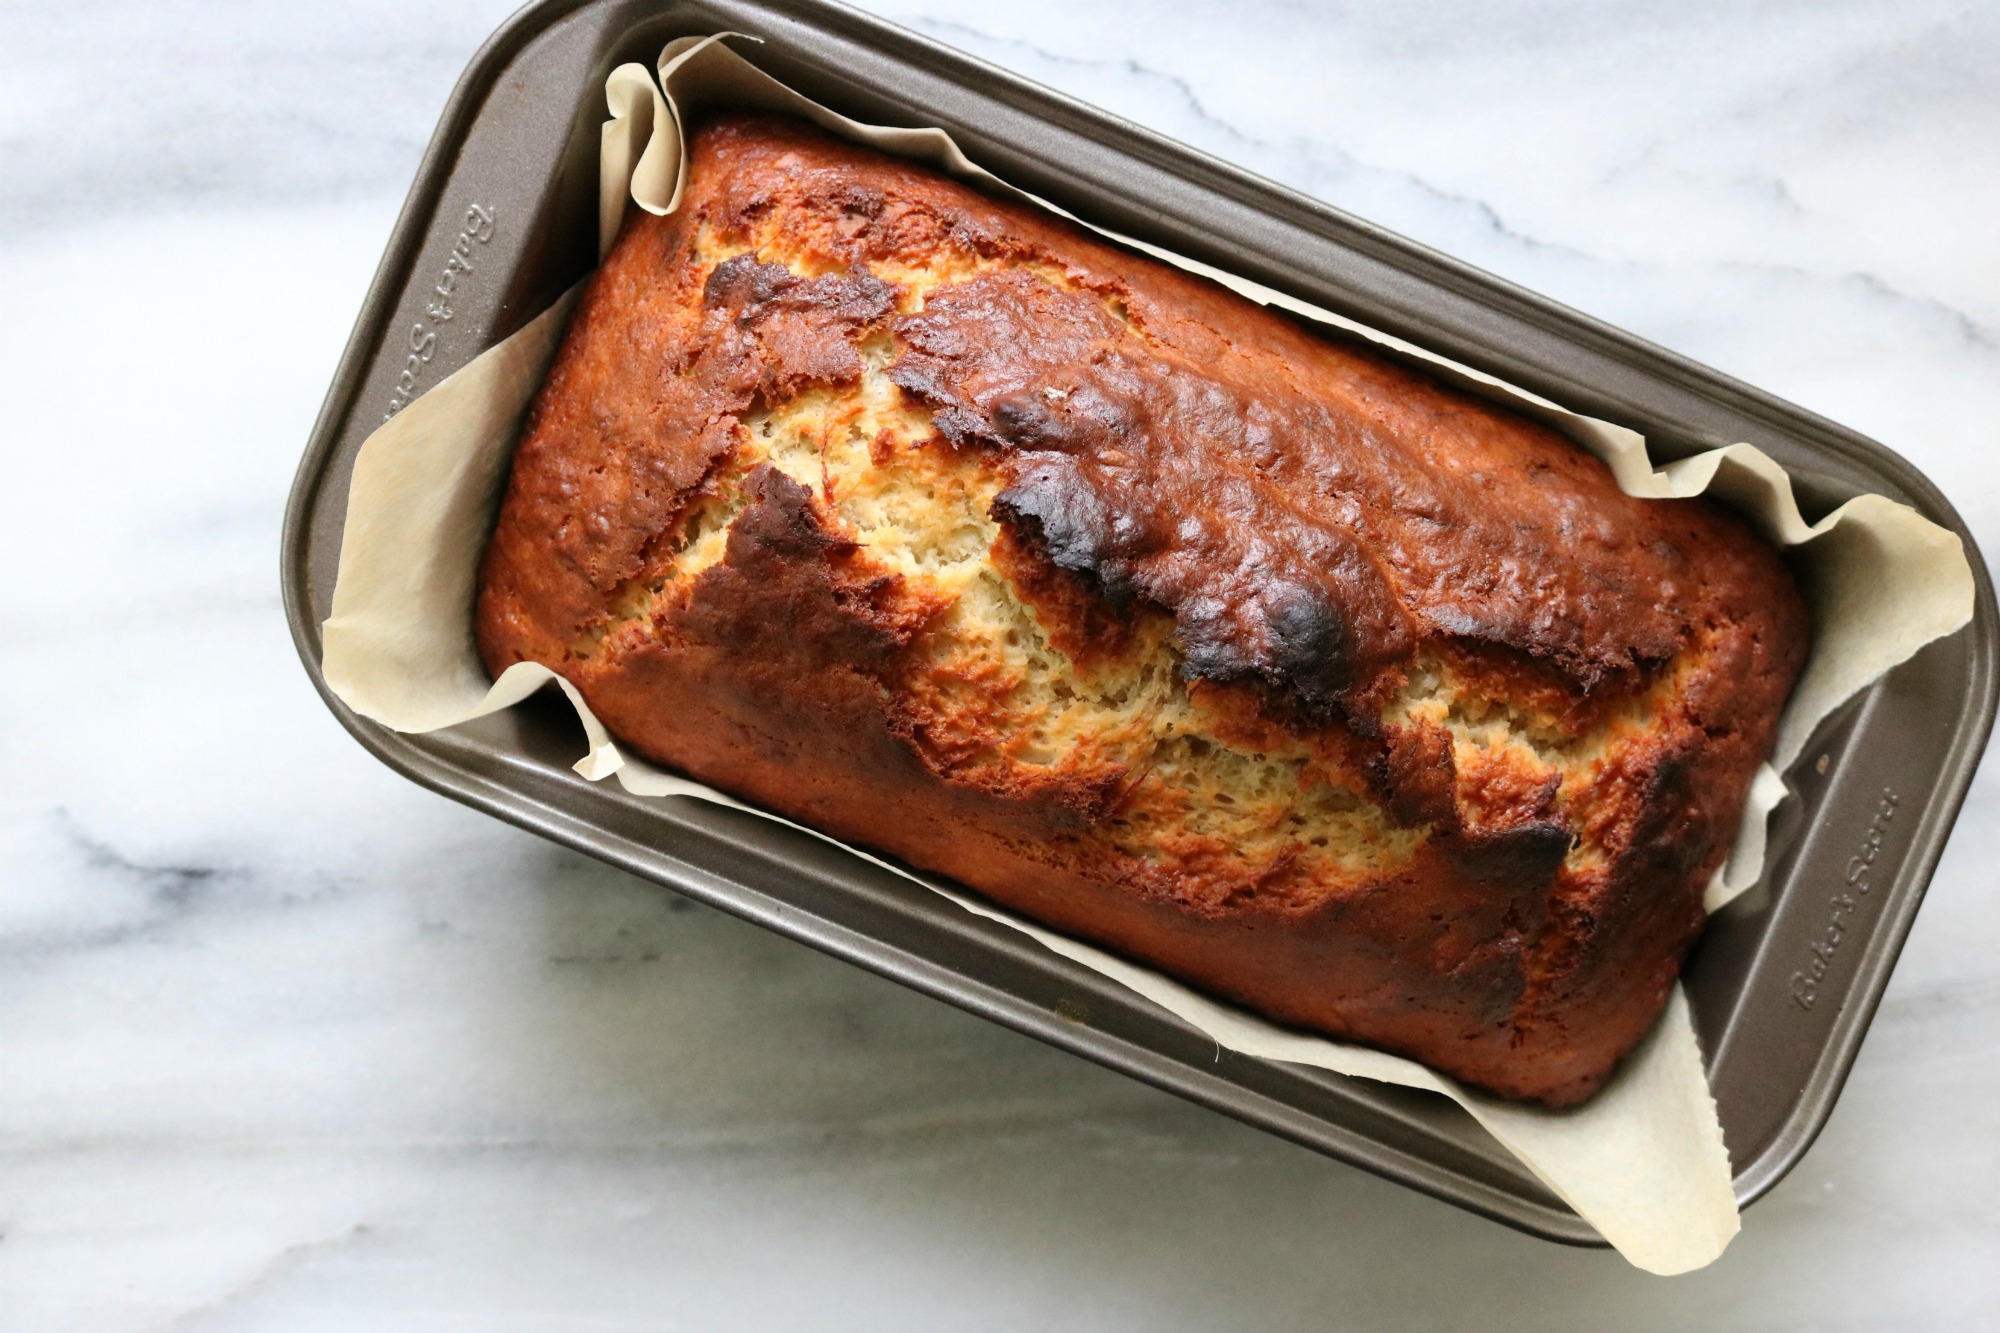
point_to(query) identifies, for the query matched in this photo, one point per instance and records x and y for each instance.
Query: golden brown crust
(943, 526)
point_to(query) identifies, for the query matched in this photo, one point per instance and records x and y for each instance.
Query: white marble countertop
(287, 1043)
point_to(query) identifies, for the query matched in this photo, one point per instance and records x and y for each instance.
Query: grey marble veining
(289, 1044)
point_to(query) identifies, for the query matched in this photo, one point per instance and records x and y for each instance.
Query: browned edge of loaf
(1386, 606)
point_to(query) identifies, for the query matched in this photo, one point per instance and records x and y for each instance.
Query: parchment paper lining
(1643, 1161)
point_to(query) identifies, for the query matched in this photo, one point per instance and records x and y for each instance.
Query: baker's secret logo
(1856, 884)
(477, 231)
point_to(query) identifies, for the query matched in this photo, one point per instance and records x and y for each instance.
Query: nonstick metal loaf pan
(504, 214)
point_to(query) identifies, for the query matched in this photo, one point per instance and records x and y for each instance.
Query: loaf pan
(1876, 792)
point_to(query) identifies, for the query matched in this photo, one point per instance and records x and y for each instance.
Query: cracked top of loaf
(938, 523)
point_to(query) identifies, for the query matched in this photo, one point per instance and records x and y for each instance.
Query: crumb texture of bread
(941, 525)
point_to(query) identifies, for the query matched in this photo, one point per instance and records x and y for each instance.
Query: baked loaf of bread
(938, 524)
